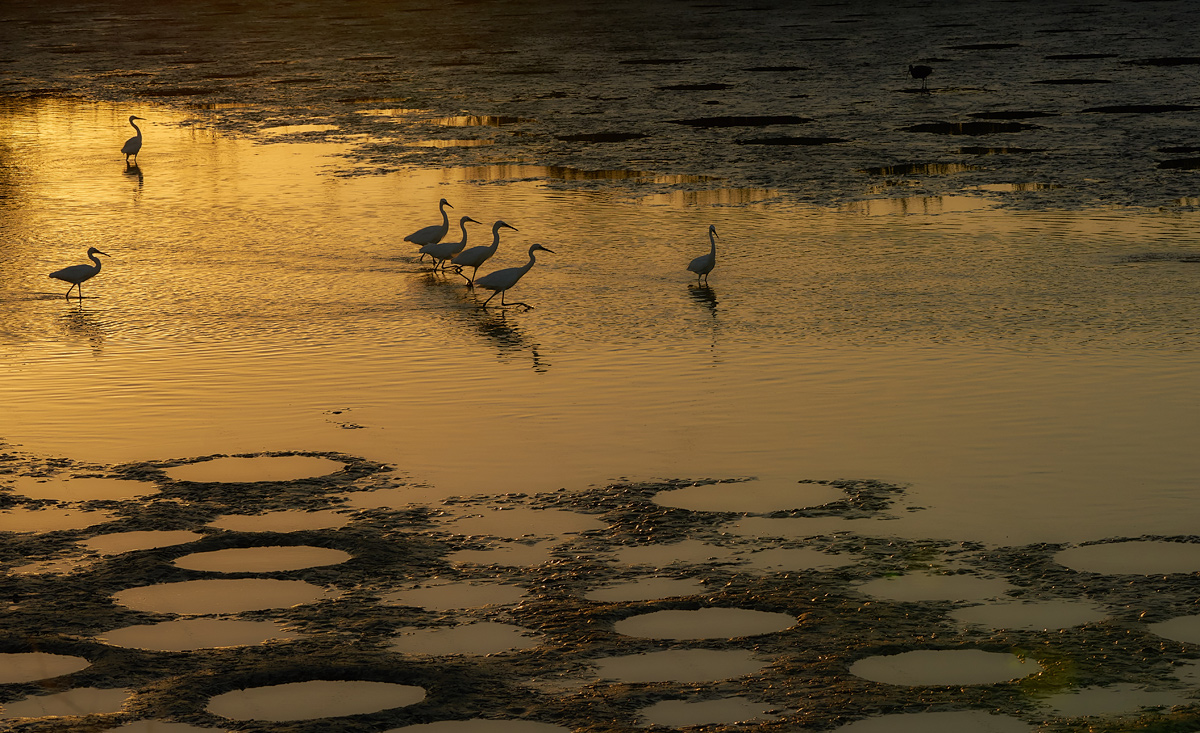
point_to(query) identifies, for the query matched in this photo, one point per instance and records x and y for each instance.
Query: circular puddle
(522, 522)
(680, 665)
(291, 520)
(725, 711)
(49, 520)
(450, 596)
(1118, 699)
(513, 554)
(1030, 615)
(31, 666)
(192, 597)
(262, 559)
(478, 639)
(925, 587)
(951, 721)
(118, 542)
(751, 497)
(945, 667)
(704, 623)
(80, 701)
(646, 589)
(1133, 558)
(1181, 628)
(83, 489)
(687, 552)
(479, 725)
(200, 633)
(253, 470)
(313, 699)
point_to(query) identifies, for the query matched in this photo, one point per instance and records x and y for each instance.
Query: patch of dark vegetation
(1141, 109)
(1180, 164)
(1070, 82)
(984, 46)
(1168, 61)
(1011, 114)
(712, 87)
(743, 121)
(969, 128)
(791, 141)
(602, 137)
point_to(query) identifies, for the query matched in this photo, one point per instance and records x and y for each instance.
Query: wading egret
(704, 264)
(921, 72)
(476, 256)
(443, 251)
(131, 147)
(76, 274)
(501, 280)
(432, 234)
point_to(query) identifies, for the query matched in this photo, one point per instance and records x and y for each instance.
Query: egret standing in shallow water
(443, 251)
(476, 256)
(501, 280)
(921, 72)
(432, 234)
(704, 264)
(76, 274)
(132, 146)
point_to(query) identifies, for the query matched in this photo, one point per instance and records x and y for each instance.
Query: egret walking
(133, 144)
(476, 256)
(921, 72)
(76, 274)
(704, 264)
(432, 234)
(501, 280)
(443, 251)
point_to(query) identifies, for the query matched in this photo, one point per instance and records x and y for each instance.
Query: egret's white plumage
(443, 251)
(476, 256)
(76, 274)
(704, 264)
(432, 234)
(501, 280)
(133, 144)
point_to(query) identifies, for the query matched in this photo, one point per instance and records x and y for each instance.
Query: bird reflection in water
(79, 324)
(705, 296)
(133, 171)
(509, 338)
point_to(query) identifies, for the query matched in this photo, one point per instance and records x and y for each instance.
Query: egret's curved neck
(139, 131)
(445, 216)
(92, 256)
(495, 236)
(713, 238)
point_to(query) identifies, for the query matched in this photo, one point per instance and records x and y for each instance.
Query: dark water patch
(743, 121)
(1079, 56)
(1179, 150)
(1141, 109)
(713, 87)
(1011, 114)
(969, 128)
(456, 64)
(368, 57)
(1071, 82)
(791, 141)
(370, 100)
(984, 46)
(775, 68)
(295, 80)
(602, 137)
(1055, 31)
(160, 52)
(653, 62)
(1150, 257)
(230, 75)
(127, 74)
(530, 71)
(982, 150)
(1180, 164)
(1168, 61)
(70, 50)
(179, 92)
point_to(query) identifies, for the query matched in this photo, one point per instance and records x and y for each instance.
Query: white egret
(501, 280)
(432, 234)
(76, 274)
(133, 144)
(704, 264)
(443, 251)
(476, 256)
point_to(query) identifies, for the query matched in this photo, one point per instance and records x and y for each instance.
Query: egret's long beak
(103, 253)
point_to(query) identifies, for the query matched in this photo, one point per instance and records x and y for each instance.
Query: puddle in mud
(473, 639)
(281, 521)
(1180, 628)
(927, 587)
(82, 489)
(81, 701)
(945, 667)
(1031, 615)
(753, 497)
(313, 699)
(1119, 699)
(726, 711)
(521, 522)
(505, 553)
(680, 665)
(262, 559)
(245, 470)
(951, 721)
(1133, 558)
(704, 623)
(195, 597)
(450, 596)
(32, 666)
(279, 130)
(646, 589)
(197, 633)
(20, 519)
(147, 539)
